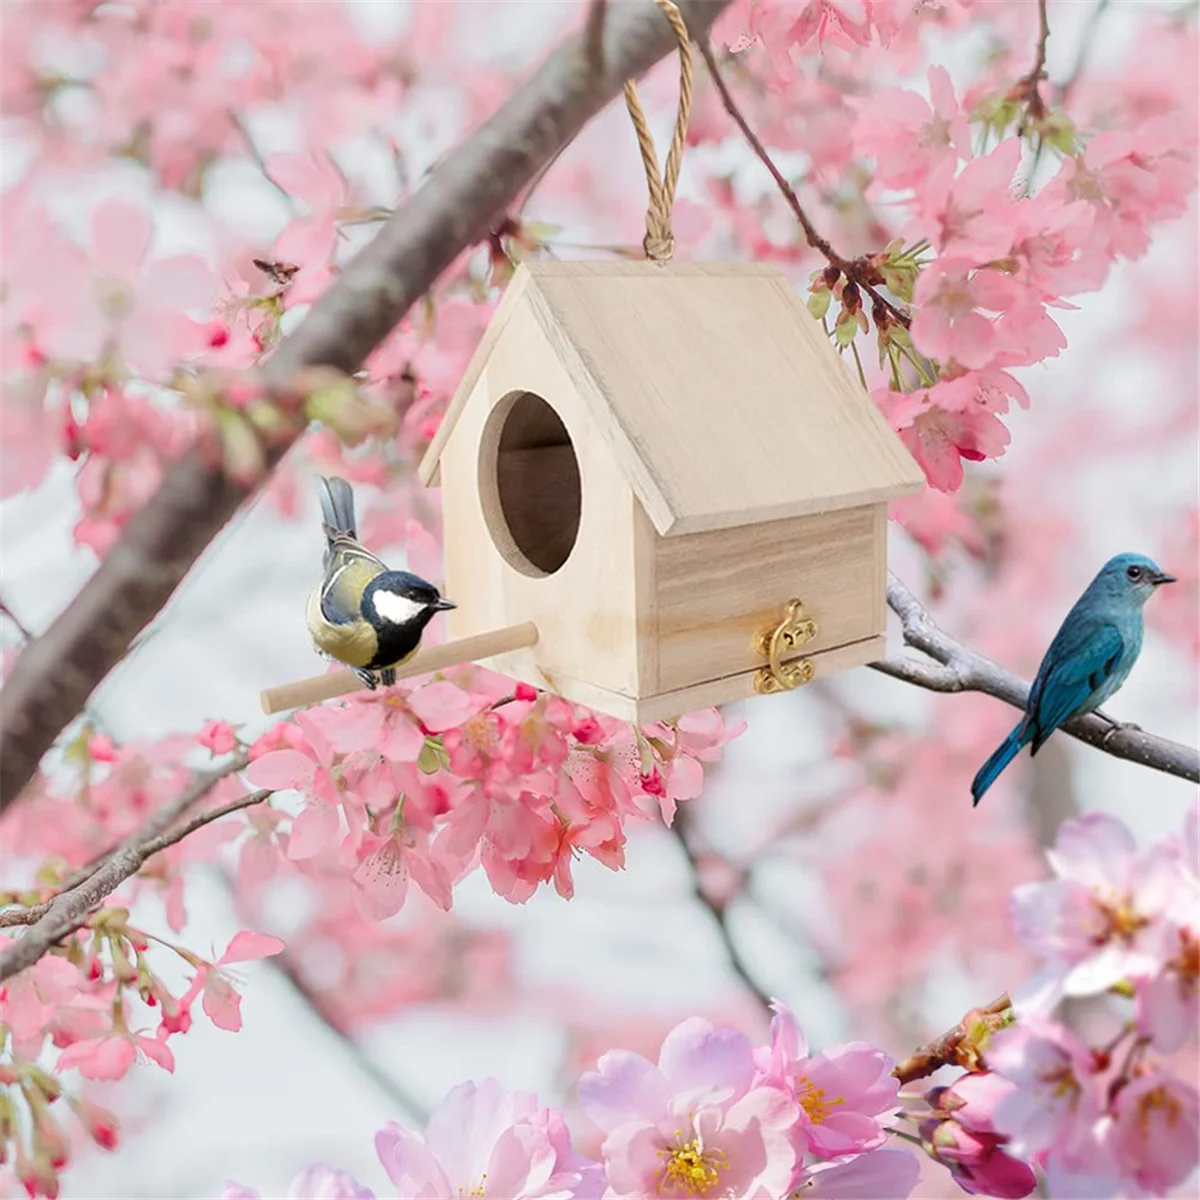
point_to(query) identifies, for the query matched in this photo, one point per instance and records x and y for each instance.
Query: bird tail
(1001, 757)
(337, 507)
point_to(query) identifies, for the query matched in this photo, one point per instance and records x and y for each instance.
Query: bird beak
(443, 604)
(1162, 577)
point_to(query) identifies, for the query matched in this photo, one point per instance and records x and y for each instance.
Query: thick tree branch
(70, 909)
(856, 270)
(58, 671)
(957, 668)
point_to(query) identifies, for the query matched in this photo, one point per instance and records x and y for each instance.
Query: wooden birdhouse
(667, 469)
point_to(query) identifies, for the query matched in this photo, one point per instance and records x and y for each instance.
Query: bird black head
(400, 600)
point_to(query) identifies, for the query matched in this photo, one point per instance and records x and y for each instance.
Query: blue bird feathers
(1090, 658)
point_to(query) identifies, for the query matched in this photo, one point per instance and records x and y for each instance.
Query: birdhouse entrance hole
(529, 484)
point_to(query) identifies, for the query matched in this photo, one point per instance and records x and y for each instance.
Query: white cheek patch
(396, 609)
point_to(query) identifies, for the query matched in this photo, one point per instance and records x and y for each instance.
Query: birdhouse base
(664, 706)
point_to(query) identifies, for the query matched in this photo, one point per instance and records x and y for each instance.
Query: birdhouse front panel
(666, 468)
(539, 525)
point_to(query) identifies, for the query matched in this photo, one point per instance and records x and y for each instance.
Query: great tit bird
(361, 613)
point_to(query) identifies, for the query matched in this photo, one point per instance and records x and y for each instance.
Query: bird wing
(1080, 659)
(351, 568)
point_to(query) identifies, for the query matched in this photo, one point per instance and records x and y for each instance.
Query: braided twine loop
(659, 242)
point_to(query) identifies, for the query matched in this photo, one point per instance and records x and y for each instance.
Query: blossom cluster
(1099, 1114)
(716, 1117)
(423, 782)
(427, 783)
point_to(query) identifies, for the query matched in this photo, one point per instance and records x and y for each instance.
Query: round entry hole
(529, 484)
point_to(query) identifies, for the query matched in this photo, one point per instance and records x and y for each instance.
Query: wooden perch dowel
(433, 658)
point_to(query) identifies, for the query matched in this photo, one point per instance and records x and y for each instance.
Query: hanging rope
(659, 242)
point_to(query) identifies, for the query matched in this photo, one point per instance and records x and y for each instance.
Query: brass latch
(789, 635)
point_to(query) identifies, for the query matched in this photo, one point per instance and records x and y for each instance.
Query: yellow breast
(354, 644)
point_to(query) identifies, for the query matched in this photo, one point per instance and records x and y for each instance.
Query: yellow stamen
(1062, 1080)
(1157, 1097)
(812, 1100)
(1121, 919)
(691, 1167)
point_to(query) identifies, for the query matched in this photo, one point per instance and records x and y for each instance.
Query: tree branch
(57, 672)
(18, 624)
(957, 668)
(70, 909)
(1030, 86)
(856, 270)
(957, 1047)
(681, 830)
(1086, 42)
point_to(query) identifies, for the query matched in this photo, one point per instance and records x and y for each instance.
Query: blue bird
(1090, 658)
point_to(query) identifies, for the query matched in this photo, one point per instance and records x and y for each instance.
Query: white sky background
(259, 1105)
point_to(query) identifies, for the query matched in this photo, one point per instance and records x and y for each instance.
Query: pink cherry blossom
(961, 1135)
(139, 304)
(847, 1094)
(1155, 1135)
(388, 861)
(890, 1172)
(309, 772)
(939, 438)
(1131, 178)
(1102, 919)
(218, 736)
(1056, 1103)
(908, 136)
(971, 216)
(482, 1140)
(219, 998)
(695, 1123)
(951, 297)
(111, 1056)
(317, 1182)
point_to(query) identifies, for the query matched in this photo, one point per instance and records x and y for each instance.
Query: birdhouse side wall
(586, 610)
(714, 592)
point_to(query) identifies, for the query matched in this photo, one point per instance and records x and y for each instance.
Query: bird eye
(1134, 573)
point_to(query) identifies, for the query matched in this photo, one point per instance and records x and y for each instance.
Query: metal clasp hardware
(789, 635)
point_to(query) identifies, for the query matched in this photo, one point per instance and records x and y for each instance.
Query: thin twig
(956, 1047)
(20, 627)
(365, 1061)
(1029, 86)
(259, 161)
(957, 668)
(69, 910)
(681, 829)
(855, 270)
(452, 210)
(1086, 42)
(201, 785)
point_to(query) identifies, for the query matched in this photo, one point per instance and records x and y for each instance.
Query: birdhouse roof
(721, 398)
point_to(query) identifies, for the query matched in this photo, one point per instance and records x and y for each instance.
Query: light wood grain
(587, 610)
(428, 470)
(665, 706)
(719, 396)
(430, 658)
(716, 591)
(715, 692)
(725, 460)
